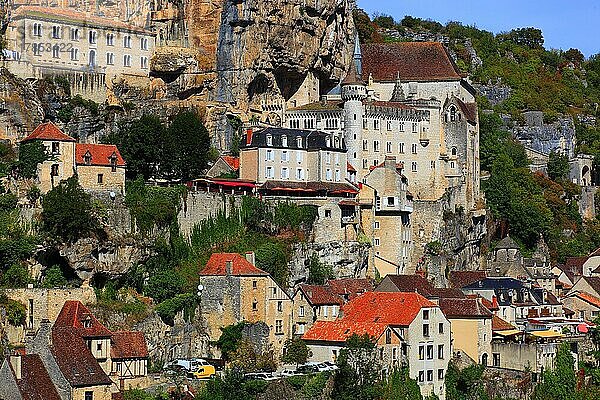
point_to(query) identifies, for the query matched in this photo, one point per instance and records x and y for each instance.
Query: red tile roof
(498, 324)
(349, 167)
(469, 110)
(75, 360)
(35, 383)
(460, 279)
(349, 288)
(233, 162)
(128, 345)
(217, 265)
(318, 295)
(411, 61)
(48, 131)
(53, 13)
(101, 154)
(574, 265)
(75, 315)
(398, 309)
(353, 77)
(464, 308)
(593, 300)
(341, 330)
(448, 293)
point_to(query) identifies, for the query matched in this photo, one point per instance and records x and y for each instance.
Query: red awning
(582, 328)
(234, 183)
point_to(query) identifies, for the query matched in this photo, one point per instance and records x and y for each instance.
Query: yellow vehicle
(204, 371)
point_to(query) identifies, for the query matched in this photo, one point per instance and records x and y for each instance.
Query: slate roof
(311, 139)
(593, 281)
(101, 154)
(498, 324)
(411, 283)
(460, 279)
(48, 131)
(410, 61)
(75, 360)
(70, 16)
(318, 295)
(77, 316)
(496, 283)
(128, 344)
(574, 265)
(353, 77)
(464, 308)
(349, 288)
(35, 383)
(507, 243)
(217, 265)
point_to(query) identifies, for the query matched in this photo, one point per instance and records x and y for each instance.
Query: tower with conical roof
(354, 91)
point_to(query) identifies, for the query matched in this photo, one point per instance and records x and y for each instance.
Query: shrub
(31, 154)
(54, 278)
(170, 307)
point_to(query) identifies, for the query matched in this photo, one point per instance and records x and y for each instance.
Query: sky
(565, 23)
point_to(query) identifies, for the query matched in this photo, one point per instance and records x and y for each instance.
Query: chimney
(249, 132)
(494, 302)
(390, 163)
(15, 362)
(251, 258)
(228, 267)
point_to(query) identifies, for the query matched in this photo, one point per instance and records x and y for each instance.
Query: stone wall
(198, 206)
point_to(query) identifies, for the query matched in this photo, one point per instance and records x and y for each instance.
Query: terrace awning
(546, 334)
(509, 332)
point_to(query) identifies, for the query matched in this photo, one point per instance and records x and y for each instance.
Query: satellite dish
(113, 195)
(200, 287)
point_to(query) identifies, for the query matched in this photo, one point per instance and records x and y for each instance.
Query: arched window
(452, 113)
(453, 151)
(484, 359)
(56, 51)
(92, 61)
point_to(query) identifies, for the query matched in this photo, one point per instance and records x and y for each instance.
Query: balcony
(349, 219)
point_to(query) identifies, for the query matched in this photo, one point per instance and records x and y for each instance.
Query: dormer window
(269, 140)
(452, 114)
(328, 142)
(284, 141)
(87, 323)
(87, 158)
(299, 141)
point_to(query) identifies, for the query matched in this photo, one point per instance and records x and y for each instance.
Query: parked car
(308, 369)
(290, 372)
(263, 376)
(331, 366)
(187, 365)
(205, 371)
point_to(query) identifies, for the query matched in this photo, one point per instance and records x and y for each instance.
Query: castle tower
(354, 91)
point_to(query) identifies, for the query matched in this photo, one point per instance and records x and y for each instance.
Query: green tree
(561, 382)
(67, 211)
(318, 273)
(465, 384)
(16, 276)
(399, 386)
(163, 285)
(558, 166)
(54, 278)
(359, 370)
(271, 257)
(31, 154)
(230, 339)
(296, 351)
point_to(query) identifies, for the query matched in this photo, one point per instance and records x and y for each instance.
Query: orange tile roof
(128, 345)
(349, 167)
(593, 300)
(74, 315)
(217, 265)
(233, 162)
(396, 308)
(55, 13)
(498, 324)
(341, 330)
(410, 61)
(101, 154)
(48, 131)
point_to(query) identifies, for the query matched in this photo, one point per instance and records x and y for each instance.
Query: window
(285, 174)
(432, 164)
(389, 125)
(279, 327)
(56, 51)
(391, 201)
(127, 41)
(37, 49)
(284, 141)
(92, 59)
(37, 30)
(300, 173)
(401, 126)
(99, 346)
(299, 142)
(414, 148)
(338, 175)
(56, 32)
(110, 58)
(413, 166)
(388, 336)
(441, 328)
(430, 352)
(55, 147)
(440, 351)
(144, 43)
(74, 54)
(376, 225)
(269, 173)
(414, 127)
(327, 157)
(100, 178)
(388, 147)
(327, 213)
(421, 376)
(144, 62)
(421, 352)
(74, 34)
(376, 145)
(425, 314)
(401, 148)
(92, 37)
(285, 156)
(429, 375)
(453, 151)
(280, 306)
(87, 323)
(328, 174)
(365, 145)
(496, 359)
(269, 140)
(89, 395)
(295, 124)
(337, 158)
(440, 374)
(54, 170)
(365, 123)
(452, 114)
(452, 165)
(394, 354)
(127, 60)
(309, 124)
(274, 291)
(301, 329)
(270, 155)
(301, 311)
(365, 163)
(110, 39)
(299, 157)
(254, 284)
(376, 242)
(376, 124)
(426, 330)
(254, 305)
(331, 123)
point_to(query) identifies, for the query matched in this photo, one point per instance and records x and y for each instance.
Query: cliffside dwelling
(99, 167)
(235, 290)
(86, 49)
(409, 331)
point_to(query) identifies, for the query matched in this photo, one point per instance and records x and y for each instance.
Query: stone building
(386, 207)
(235, 290)
(88, 50)
(409, 331)
(99, 167)
(585, 306)
(225, 165)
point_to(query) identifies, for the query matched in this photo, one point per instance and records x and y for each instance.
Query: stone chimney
(251, 258)
(228, 267)
(15, 362)
(390, 163)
